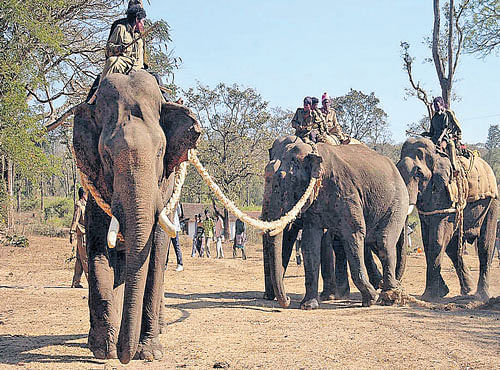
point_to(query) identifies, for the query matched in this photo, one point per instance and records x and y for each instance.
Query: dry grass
(215, 314)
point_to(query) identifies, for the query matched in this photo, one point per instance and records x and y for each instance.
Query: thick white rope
(274, 227)
(180, 176)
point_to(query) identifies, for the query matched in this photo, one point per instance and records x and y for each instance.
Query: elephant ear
(86, 135)
(313, 162)
(182, 131)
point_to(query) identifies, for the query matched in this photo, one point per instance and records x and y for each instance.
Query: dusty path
(216, 314)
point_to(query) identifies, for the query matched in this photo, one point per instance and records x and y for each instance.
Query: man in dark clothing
(445, 130)
(240, 238)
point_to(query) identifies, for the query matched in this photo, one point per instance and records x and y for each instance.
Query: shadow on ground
(16, 349)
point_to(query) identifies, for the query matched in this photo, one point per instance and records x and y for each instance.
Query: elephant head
(426, 174)
(287, 175)
(126, 148)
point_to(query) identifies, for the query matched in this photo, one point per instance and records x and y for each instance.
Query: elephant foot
(101, 348)
(482, 295)
(391, 297)
(434, 294)
(342, 293)
(326, 296)
(268, 296)
(465, 290)
(310, 304)
(368, 301)
(149, 350)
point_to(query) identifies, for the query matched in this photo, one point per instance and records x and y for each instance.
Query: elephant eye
(160, 152)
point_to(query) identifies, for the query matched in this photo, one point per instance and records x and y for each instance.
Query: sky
(288, 49)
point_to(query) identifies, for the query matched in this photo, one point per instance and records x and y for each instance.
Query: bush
(30, 204)
(47, 229)
(57, 207)
(17, 241)
(4, 205)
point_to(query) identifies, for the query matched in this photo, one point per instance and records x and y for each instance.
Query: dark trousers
(177, 249)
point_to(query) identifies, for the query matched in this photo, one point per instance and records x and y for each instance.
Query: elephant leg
(327, 268)
(374, 274)
(105, 287)
(386, 246)
(341, 275)
(485, 250)
(150, 347)
(354, 248)
(436, 234)
(458, 262)
(311, 249)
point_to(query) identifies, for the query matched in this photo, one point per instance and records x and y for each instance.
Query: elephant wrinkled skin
(127, 147)
(362, 201)
(428, 176)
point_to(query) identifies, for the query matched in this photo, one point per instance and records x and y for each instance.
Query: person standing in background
(208, 226)
(240, 239)
(219, 230)
(175, 240)
(78, 228)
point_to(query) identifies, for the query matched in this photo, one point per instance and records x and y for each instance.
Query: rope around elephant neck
(274, 227)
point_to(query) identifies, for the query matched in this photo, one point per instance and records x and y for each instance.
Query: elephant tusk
(166, 224)
(410, 209)
(114, 229)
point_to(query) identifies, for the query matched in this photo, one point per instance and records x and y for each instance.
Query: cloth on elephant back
(481, 180)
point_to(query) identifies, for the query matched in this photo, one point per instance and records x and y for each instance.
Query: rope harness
(463, 190)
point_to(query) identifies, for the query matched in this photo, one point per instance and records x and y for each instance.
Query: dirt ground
(215, 314)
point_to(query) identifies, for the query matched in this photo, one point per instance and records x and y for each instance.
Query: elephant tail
(401, 251)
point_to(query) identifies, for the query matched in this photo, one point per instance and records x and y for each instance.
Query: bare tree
(446, 46)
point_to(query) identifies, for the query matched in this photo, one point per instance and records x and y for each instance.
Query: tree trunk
(227, 232)
(10, 192)
(42, 206)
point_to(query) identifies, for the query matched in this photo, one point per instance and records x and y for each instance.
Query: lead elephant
(431, 184)
(361, 201)
(126, 148)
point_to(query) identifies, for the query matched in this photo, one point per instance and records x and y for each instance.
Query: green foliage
(30, 204)
(483, 27)
(4, 205)
(59, 211)
(48, 229)
(17, 241)
(362, 118)
(239, 128)
(492, 147)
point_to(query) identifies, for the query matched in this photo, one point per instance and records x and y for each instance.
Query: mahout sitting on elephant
(443, 200)
(361, 200)
(127, 146)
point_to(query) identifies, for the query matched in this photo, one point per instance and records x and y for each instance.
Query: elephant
(431, 181)
(127, 146)
(361, 200)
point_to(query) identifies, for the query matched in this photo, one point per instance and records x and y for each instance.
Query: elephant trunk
(276, 267)
(139, 222)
